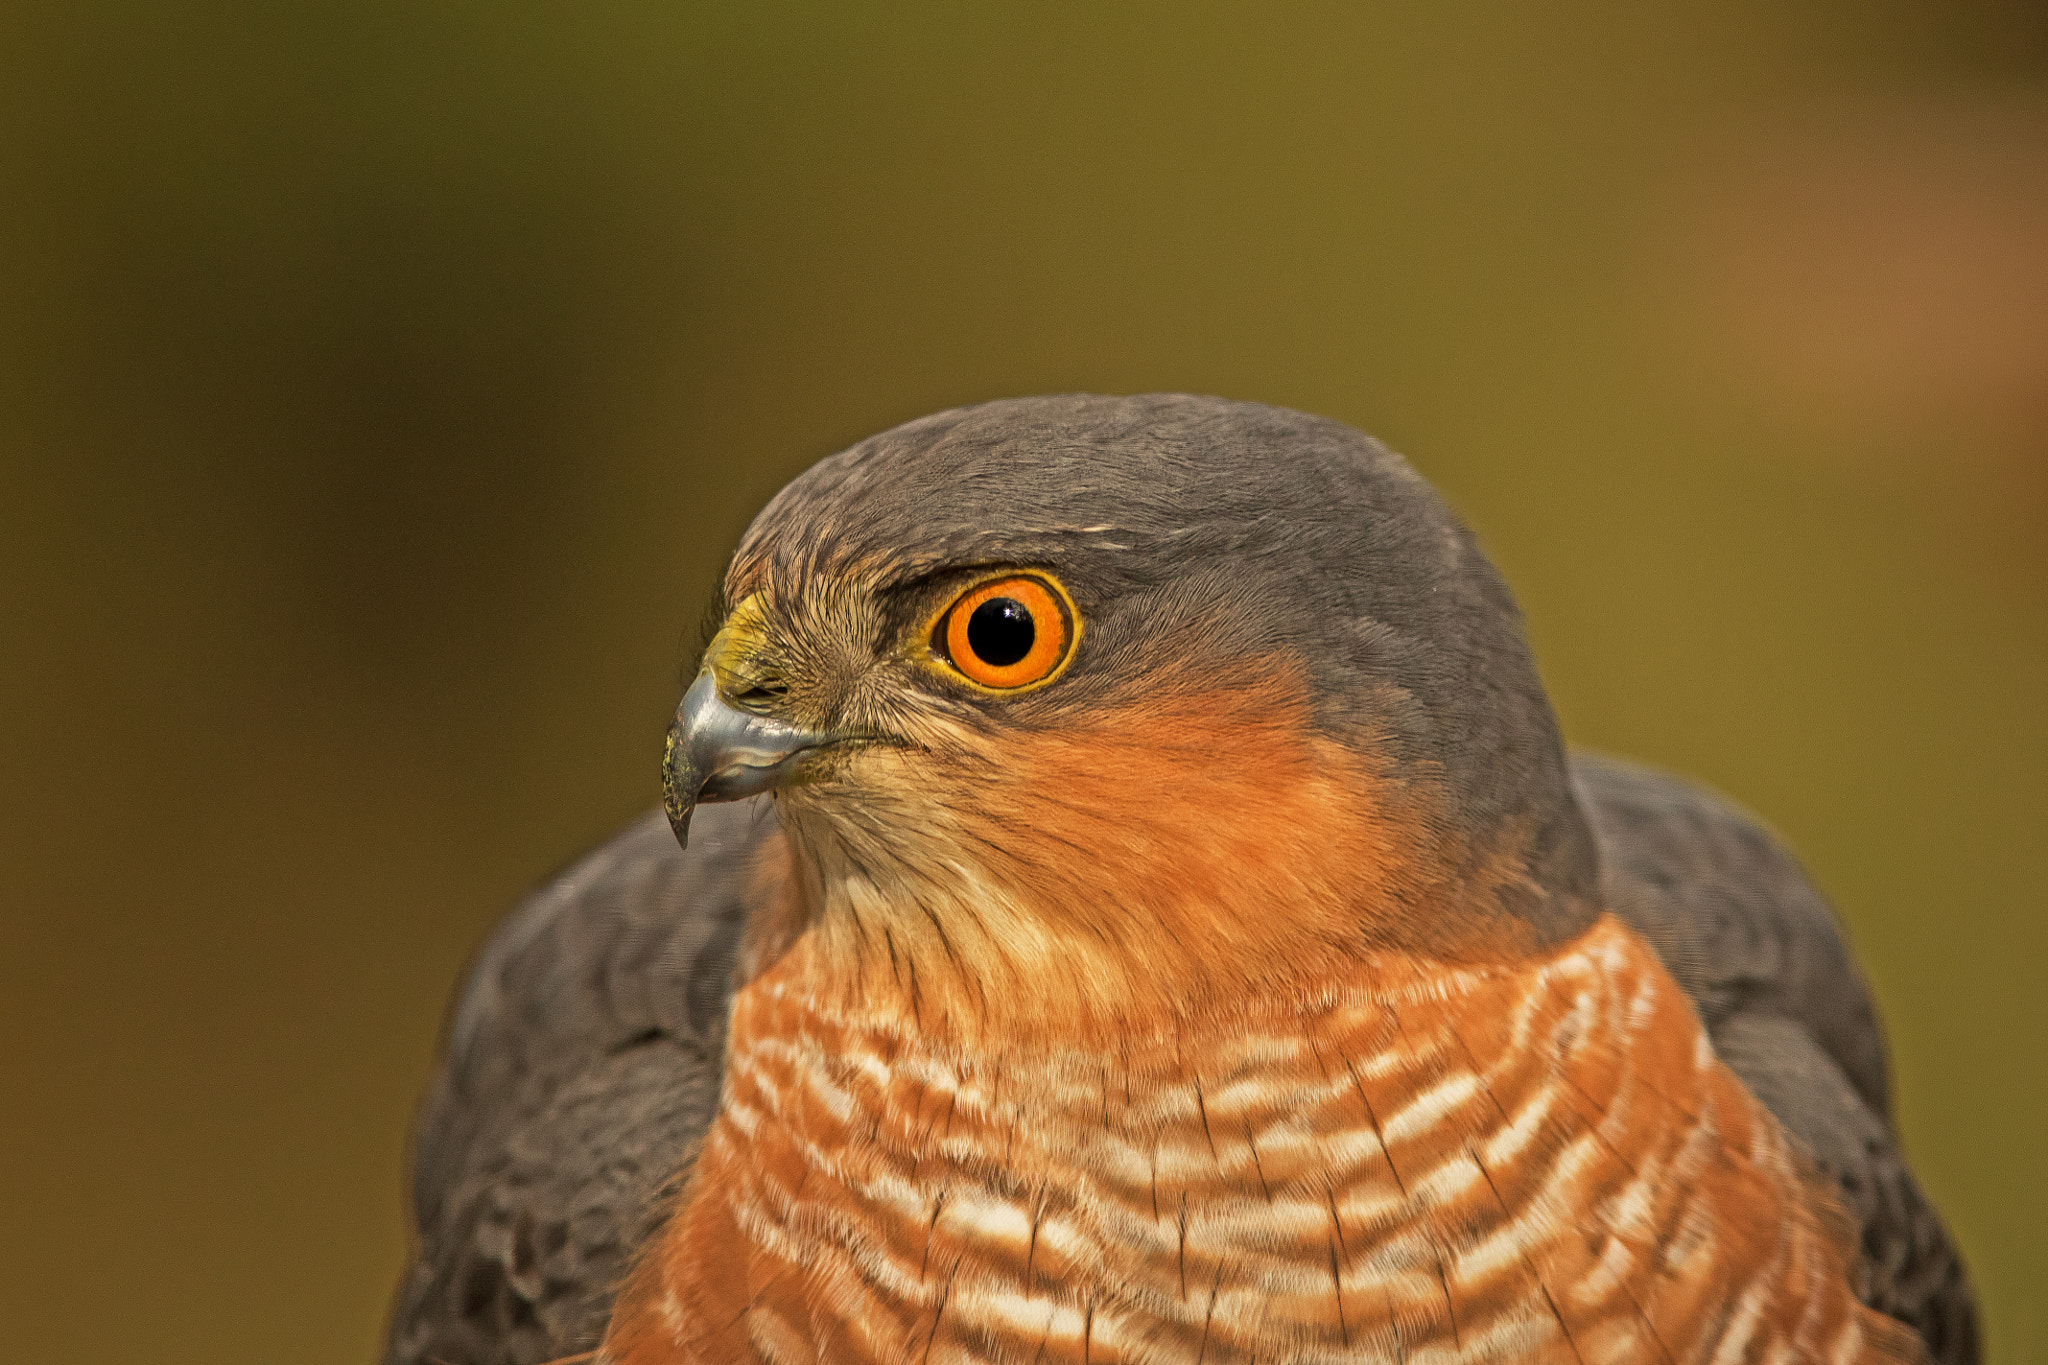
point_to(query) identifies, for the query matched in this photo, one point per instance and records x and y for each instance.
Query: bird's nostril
(761, 695)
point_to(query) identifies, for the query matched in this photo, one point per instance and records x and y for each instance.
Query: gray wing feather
(581, 1062)
(1759, 953)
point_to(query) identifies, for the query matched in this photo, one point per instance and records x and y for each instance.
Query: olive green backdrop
(382, 385)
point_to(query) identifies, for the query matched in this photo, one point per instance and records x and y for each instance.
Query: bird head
(1090, 707)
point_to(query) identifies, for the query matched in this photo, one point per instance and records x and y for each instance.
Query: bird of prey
(1157, 922)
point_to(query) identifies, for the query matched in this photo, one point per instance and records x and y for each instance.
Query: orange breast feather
(1534, 1162)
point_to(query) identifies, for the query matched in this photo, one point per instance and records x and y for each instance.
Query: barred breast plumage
(1543, 1162)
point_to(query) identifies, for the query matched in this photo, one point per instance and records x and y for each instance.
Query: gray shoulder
(1757, 950)
(1731, 912)
(581, 1062)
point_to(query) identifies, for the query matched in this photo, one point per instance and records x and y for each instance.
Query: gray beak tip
(679, 786)
(718, 753)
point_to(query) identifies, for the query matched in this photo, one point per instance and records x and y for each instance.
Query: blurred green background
(382, 385)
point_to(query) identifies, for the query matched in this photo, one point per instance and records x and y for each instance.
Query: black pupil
(1001, 631)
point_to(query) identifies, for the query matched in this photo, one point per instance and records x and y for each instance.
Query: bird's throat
(1118, 878)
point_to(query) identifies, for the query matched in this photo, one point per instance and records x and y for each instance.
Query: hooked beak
(717, 752)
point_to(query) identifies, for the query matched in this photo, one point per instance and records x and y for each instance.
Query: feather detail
(1542, 1162)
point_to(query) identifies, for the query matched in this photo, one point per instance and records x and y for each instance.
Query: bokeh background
(382, 385)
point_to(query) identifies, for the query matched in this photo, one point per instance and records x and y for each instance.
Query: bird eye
(1009, 633)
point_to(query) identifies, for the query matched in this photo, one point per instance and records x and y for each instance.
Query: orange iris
(1009, 633)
